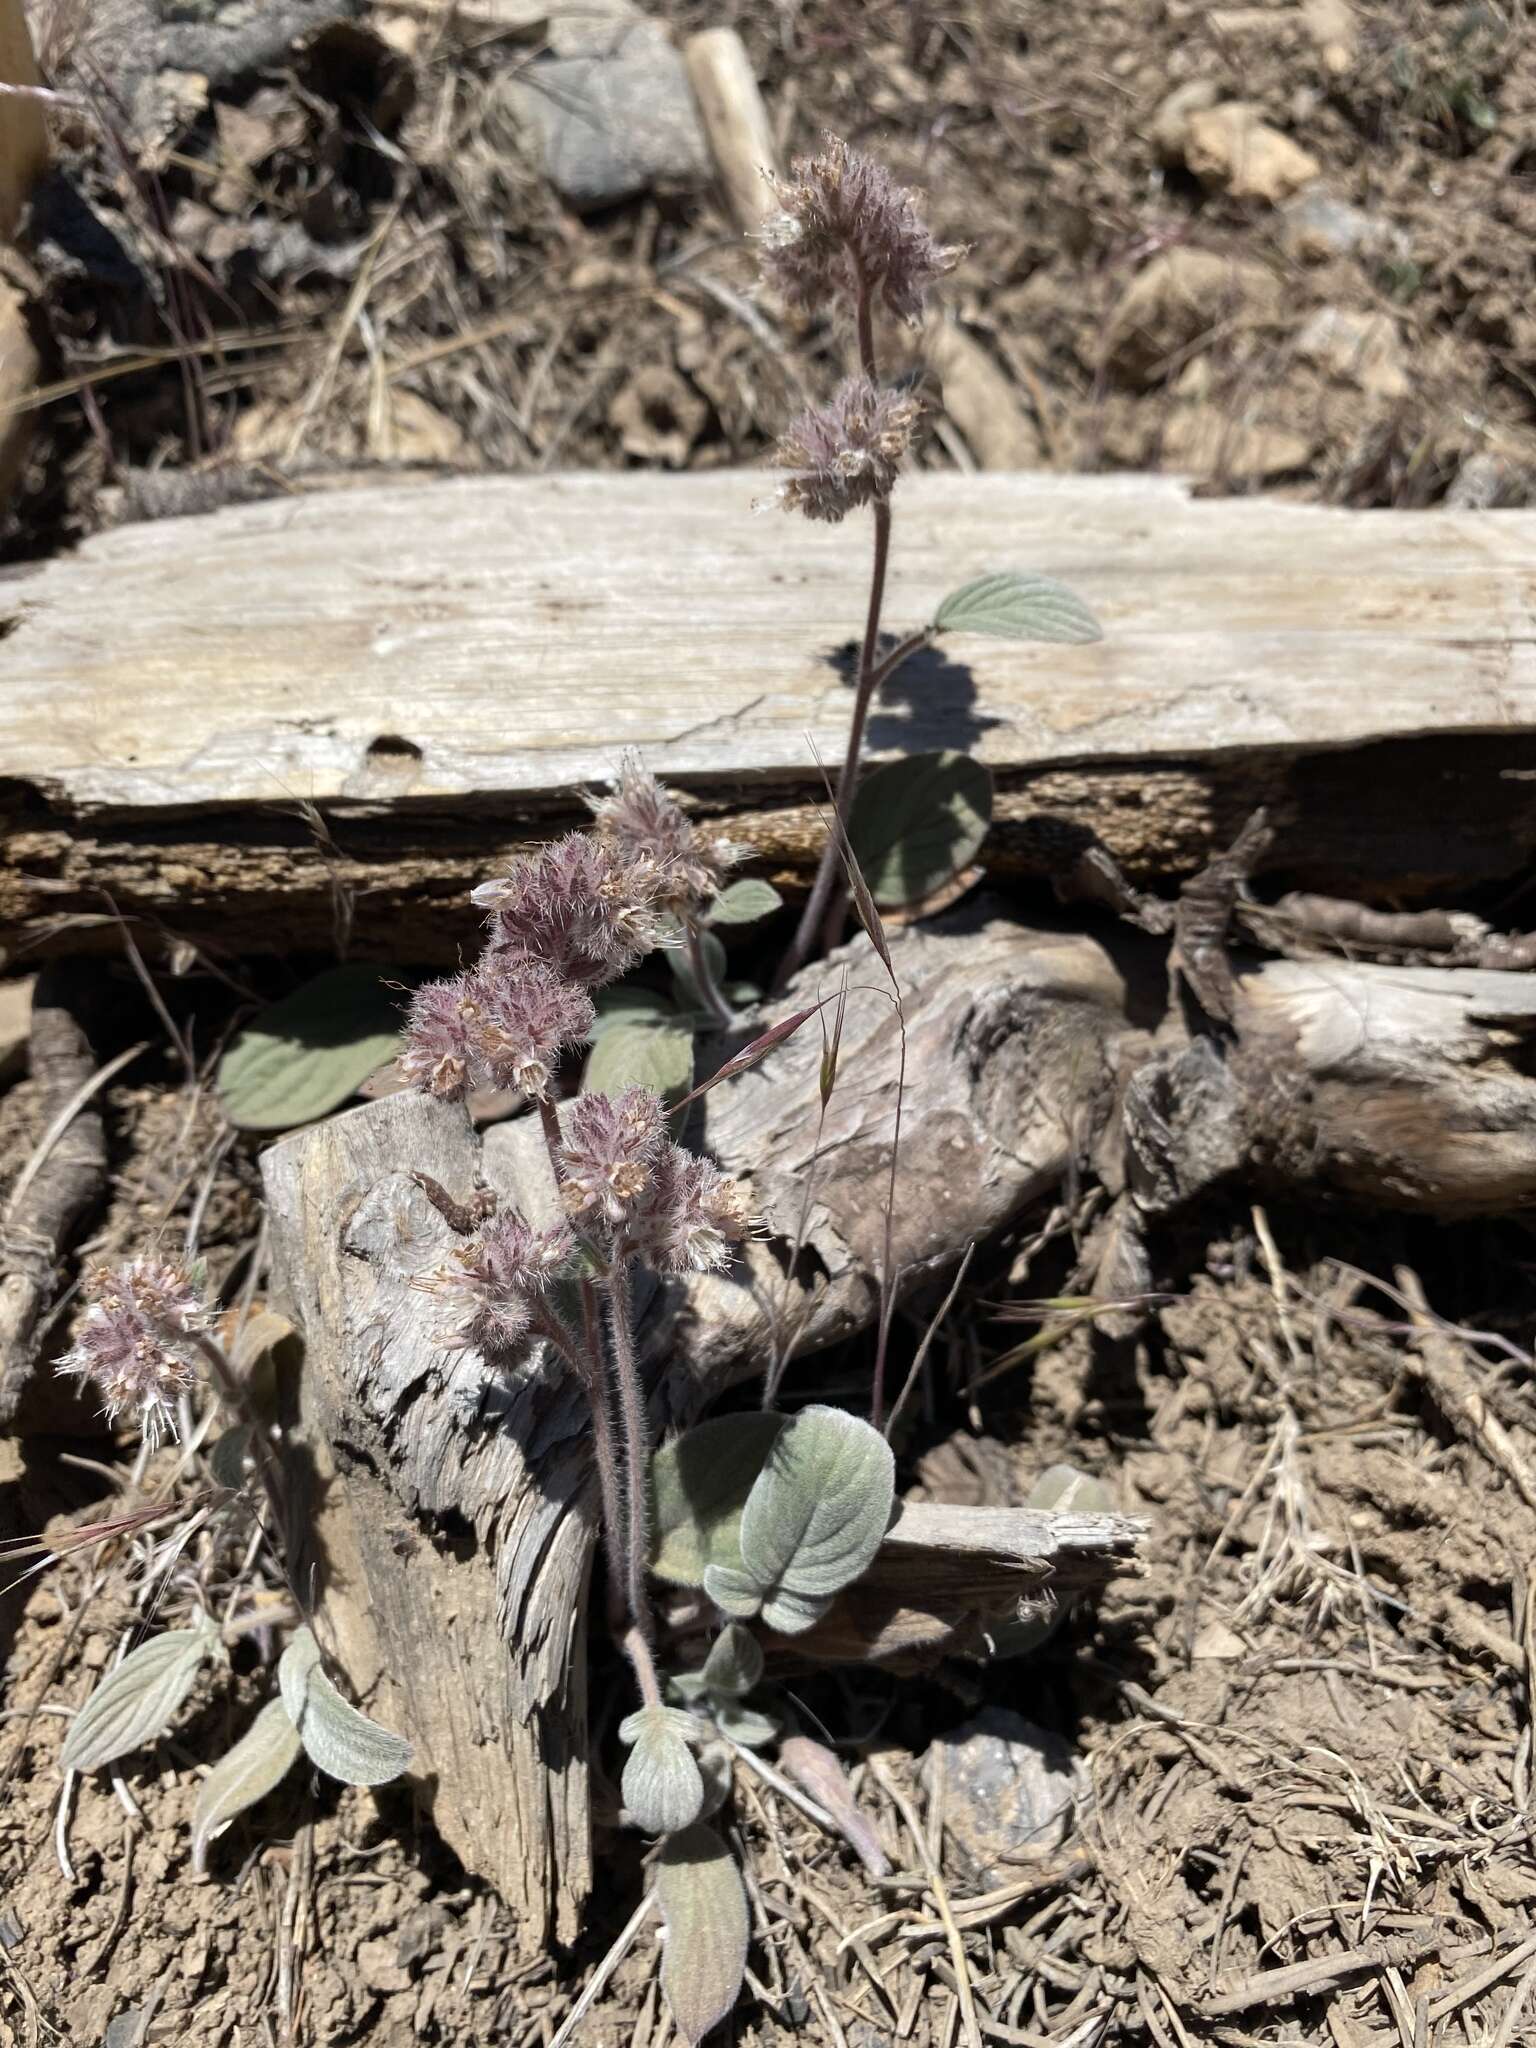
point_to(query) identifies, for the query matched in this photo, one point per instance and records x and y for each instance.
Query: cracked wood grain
(440, 671)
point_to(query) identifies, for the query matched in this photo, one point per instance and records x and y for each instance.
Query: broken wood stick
(735, 122)
(233, 722)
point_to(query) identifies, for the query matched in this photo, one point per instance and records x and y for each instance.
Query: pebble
(611, 109)
(1318, 224)
(1010, 1788)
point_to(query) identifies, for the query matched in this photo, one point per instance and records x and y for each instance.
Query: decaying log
(45, 1206)
(459, 1515)
(456, 1516)
(229, 720)
(945, 1573)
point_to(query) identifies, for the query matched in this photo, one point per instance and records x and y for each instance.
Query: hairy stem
(637, 1442)
(823, 910)
(720, 1012)
(642, 1661)
(554, 1138)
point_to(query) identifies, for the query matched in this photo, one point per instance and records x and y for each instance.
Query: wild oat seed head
(490, 1283)
(846, 453)
(575, 905)
(135, 1341)
(646, 828)
(691, 1215)
(610, 1143)
(844, 218)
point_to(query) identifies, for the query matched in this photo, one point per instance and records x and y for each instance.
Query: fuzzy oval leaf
(817, 1512)
(917, 823)
(302, 1057)
(734, 1664)
(1012, 606)
(639, 1055)
(744, 902)
(259, 1761)
(745, 1725)
(137, 1701)
(699, 1486)
(661, 1786)
(733, 1590)
(336, 1737)
(301, 1656)
(704, 1905)
(345, 1744)
(621, 1005)
(787, 1614)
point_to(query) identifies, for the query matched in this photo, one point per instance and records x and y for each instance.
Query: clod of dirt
(1362, 348)
(1009, 1788)
(615, 116)
(658, 416)
(1230, 148)
(1175, 302)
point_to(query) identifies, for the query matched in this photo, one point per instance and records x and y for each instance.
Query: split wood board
(441, 670)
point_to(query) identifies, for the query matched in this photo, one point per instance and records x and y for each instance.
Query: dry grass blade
(62, 1121)
(935, 1877)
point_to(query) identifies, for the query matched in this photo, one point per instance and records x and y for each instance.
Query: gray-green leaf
(699, 1486)
(704, 1904)
(733, 1590)
(735, 1662)
(640, 1055)
(714, 961)
(745, 1725)
(816, 1514)
(744, 902)
(304, 1056)
(301, 1656)
(916, 823)
(622, 1005)
(227, 1454)
(259, 1761)
(1012, 606)
(661, 1786)
(337, 1739)
(137, 1701)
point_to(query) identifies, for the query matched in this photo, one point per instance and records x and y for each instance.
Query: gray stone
(1317, 224)
(1010, 1789)
(612, 112)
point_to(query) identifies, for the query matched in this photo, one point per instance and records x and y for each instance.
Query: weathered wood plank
(441, 671)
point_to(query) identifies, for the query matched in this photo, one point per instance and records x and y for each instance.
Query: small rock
(1318, 224)
(1210, 440)
(1216, 1643)
(658, 415)
(1010, 1788)
(15, 1026)
(1170, 124)
(981, 399)
(1360, 346)
(1178, 297)
(1332, 26)
(1231, 148)
(1487, 482)
(379, 1966)
(613, 112)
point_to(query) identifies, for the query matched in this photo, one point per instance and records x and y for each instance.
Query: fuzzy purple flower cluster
(566, 921)
(844, 226)
(135, 1343)
(846, 453)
